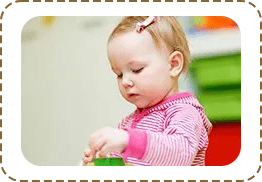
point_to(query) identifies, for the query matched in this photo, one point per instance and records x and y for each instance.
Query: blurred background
(69, 91)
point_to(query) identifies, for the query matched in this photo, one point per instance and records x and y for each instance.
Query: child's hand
(108, 140)
(88, 157)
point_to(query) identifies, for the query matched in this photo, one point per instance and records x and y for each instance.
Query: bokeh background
(68, 90)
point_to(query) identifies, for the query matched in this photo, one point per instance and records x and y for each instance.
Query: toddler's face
(143, 72)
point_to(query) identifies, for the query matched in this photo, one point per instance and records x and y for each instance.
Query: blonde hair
(165, 29)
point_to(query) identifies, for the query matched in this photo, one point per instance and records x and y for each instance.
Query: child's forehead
(132, 38)
(131, 45)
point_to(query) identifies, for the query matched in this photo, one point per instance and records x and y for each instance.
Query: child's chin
(142, 107)
(139, 106)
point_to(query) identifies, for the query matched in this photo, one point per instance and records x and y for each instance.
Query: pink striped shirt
(171, 133)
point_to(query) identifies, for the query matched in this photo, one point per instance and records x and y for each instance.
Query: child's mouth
(132, 95)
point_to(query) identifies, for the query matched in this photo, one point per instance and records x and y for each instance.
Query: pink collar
(138, 114)
(178, 95)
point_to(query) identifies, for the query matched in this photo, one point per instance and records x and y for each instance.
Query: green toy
(111, 161)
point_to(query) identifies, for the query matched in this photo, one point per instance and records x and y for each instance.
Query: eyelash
(134, 71)
(138, 71)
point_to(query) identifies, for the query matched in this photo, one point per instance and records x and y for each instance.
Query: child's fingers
(85, 158)
(104, 151)
(88, 159)
(87, 152)
(84, 164)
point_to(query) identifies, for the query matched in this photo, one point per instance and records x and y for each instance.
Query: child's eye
(138, 71)
(120, 76)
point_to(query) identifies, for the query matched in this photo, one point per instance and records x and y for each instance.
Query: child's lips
(132, 95)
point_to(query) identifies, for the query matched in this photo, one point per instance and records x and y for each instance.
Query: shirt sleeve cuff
(136, 145)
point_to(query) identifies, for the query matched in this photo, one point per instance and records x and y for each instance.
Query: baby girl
(168, 127)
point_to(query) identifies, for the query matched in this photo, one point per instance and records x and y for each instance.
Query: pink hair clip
(141, 26)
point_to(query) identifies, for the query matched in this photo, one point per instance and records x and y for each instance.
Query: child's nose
(127, 82)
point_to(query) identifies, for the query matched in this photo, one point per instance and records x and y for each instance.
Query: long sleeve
(178, 144)
(136, 145)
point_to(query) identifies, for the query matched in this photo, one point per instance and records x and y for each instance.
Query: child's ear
(176, 62)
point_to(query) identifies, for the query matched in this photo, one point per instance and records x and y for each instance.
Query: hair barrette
(141, 26)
